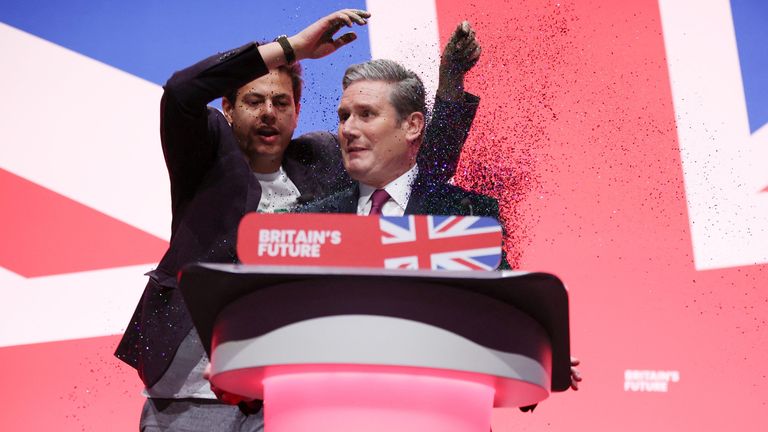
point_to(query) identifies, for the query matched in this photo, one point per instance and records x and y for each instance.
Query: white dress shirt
(399, 191)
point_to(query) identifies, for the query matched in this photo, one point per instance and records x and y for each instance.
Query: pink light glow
(374, 402)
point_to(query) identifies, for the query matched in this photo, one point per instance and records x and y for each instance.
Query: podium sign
(394, 242)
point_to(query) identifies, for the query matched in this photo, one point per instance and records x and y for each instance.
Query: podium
(347, 349)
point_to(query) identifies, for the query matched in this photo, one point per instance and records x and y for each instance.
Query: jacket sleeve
(189, 130)
(445, 136)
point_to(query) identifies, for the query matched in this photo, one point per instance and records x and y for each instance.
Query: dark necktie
(379, 197)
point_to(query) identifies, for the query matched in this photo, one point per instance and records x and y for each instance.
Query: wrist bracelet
(290, 55)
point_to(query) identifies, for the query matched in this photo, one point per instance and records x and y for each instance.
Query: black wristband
(290, 55)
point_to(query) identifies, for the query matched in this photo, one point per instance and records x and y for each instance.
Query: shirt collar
(398, 189)
(270, 177)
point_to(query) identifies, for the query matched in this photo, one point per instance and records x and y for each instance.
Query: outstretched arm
(190, 137)
(454, 109)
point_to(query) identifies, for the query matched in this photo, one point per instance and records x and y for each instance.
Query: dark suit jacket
(212, 187)
(427, 197)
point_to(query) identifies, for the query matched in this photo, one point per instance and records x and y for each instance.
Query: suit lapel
(436, 199)
(418, 202)
(300, 175)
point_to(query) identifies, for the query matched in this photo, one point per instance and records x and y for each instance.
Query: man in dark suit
(381, 125)
(223, 166)
(381, 130)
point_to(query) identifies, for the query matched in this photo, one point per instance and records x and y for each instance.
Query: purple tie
(379, 197)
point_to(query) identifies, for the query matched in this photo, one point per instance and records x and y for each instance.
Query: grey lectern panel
(506, 324)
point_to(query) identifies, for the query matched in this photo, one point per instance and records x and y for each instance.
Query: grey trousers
(196, 415)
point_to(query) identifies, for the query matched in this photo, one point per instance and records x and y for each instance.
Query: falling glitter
(509, 142)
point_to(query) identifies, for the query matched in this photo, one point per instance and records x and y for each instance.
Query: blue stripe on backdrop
(750, 19)
(152, 39)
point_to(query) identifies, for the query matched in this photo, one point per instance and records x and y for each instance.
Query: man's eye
(366, 114)
(343, 117)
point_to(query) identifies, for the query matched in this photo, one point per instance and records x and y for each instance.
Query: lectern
(349, 349)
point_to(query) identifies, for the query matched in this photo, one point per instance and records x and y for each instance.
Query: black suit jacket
(427, 197)
(212, 187)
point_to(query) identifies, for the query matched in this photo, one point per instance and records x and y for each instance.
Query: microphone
(466, 202)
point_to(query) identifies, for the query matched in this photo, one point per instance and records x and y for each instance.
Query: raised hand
(318, 41)
(461, 53)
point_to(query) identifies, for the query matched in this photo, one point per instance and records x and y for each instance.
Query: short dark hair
(294, 72)
(408, 94)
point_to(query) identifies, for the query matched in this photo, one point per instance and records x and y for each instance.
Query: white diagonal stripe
(724, 167)
(83, 129)
(70, 306)
(411, 38)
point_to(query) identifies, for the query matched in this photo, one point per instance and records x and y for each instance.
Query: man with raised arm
(222, 166)
(381, 129)
(382, 115)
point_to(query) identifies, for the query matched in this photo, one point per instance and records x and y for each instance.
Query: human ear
(296, 118)
(414, 126)
(227, 107)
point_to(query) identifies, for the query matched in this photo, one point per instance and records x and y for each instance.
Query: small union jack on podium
(396, 242)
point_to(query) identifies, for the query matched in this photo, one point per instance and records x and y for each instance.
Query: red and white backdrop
(626, 142)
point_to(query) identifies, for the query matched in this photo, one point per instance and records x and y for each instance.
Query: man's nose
(349, 128)
(267, 112)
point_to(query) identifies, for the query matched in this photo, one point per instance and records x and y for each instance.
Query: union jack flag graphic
(441, 242)
(649, 119)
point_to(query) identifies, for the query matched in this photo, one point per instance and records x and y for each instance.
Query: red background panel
(72, 385)
(45, 233)
(576, 98)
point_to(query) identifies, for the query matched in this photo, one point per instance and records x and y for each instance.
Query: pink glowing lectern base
(375, 402)
(343, 350)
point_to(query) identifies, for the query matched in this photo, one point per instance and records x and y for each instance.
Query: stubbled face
(264, 116)
(376, 146)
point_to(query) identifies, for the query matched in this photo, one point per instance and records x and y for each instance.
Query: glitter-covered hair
(408, 92)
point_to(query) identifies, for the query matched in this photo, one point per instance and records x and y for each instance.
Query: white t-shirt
(278, 193)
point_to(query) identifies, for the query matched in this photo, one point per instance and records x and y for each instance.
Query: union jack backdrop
(626, 142)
